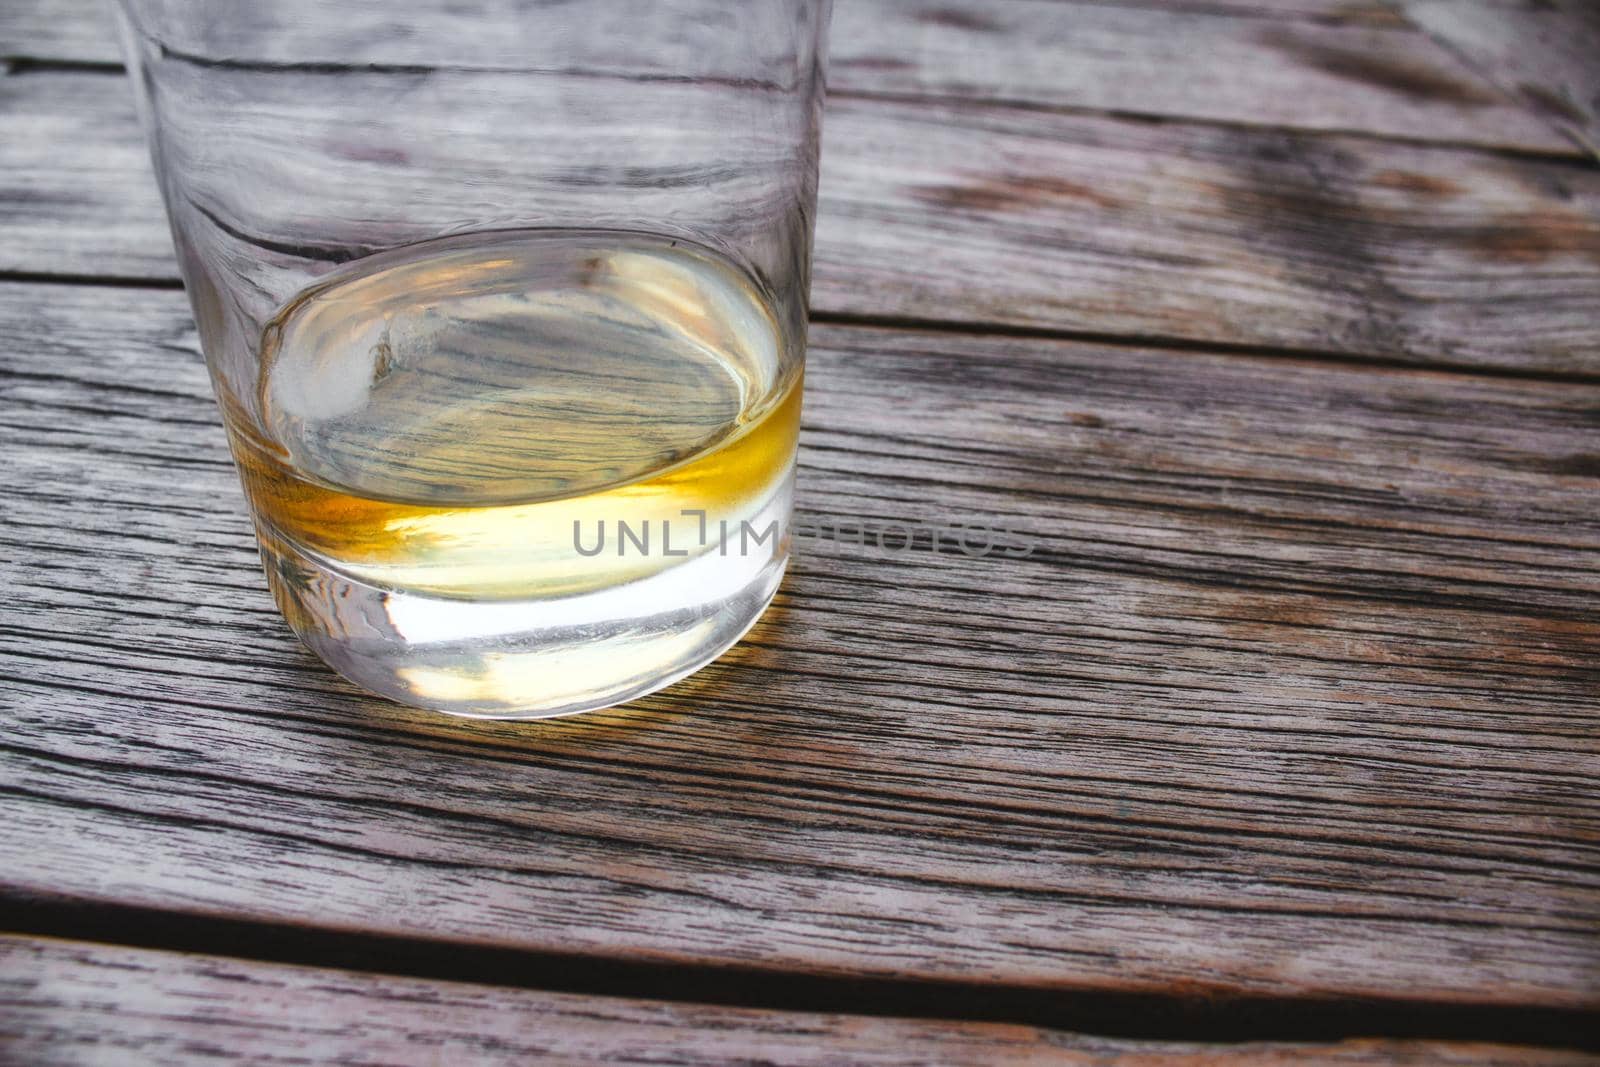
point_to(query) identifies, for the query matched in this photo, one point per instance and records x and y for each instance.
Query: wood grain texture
(1064, 222)
(1541, 54)
(1259, 238)
(1295, 696)
(1312, 64)
(72, 31)
(1182, 61)
(100, 214)
(64, 1002)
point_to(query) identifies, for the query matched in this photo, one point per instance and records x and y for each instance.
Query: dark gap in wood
(266, 66)
(1523, 96)
(1573, 157)
(422, 70)
(35, 64)
(1194, 1014)
(909, 323)
(16, 65)
(995, 329)
(1229, 11)
(114, 281)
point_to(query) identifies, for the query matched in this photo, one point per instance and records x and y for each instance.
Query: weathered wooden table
(1275, 325)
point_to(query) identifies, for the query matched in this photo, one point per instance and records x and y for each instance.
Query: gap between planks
(194, 1008)
(1571, 157)
(1333, 361)
(1308, 357)
(20, 65)
(1181, 1015)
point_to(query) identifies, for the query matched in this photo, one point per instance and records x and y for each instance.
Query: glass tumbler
(504, 304)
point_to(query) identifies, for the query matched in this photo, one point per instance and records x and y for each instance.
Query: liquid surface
(517, 368)
(457, 418)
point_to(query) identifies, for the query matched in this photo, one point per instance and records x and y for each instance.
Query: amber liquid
(479, 419)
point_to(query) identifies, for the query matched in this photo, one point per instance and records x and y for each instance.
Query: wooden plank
(1066, 222)
(75, 31)
(1368, 12)
(1191, 62)
(1315, 64)
(100, 213)
(1272, 240)
(1542, 55)
(1347, 492)
(78, 1003)
(1296, 694)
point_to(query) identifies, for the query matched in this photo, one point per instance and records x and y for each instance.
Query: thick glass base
(523, 659)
